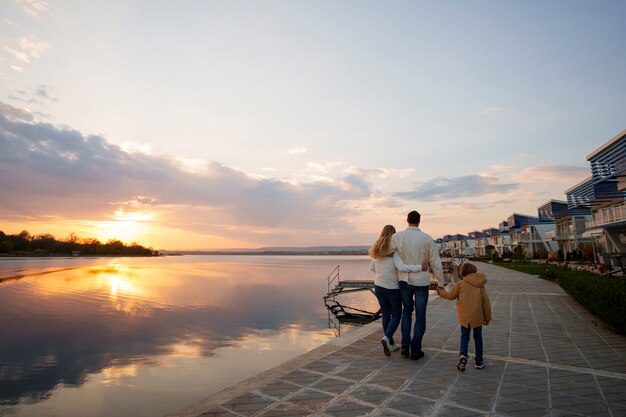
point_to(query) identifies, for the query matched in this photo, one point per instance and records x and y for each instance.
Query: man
(415, 247)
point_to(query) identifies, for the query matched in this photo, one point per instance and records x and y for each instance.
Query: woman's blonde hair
(380, 248)
(467, 269)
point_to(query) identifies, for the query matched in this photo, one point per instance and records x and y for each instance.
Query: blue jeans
(413, 298)
(390, 309)
(478, 342)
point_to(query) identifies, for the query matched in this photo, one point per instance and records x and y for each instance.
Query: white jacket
(386, 270)
(415, 247)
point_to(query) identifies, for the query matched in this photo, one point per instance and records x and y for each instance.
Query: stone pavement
(545, 355)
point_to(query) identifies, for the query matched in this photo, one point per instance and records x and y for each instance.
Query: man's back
(415, 247)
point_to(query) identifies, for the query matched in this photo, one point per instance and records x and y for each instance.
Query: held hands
(486, 322)
(425, 266)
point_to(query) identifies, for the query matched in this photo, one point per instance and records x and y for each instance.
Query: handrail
(332, 277)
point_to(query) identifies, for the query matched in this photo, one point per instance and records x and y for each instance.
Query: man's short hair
(413, 217)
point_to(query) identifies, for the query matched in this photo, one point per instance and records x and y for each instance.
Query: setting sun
(125, 226)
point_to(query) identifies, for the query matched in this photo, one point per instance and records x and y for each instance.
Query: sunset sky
(242, 124)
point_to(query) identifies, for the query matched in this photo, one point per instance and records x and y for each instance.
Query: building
(571, 223)
(606, 197)
(515, 222)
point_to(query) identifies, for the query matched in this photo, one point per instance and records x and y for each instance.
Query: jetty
(545, 355)
(344, 313)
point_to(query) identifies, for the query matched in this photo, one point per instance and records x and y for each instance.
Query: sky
(245, 124)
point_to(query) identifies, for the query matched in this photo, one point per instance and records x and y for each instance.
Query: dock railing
(332, 277)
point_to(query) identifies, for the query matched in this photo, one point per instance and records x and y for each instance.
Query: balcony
(530, 237)
(607, 215)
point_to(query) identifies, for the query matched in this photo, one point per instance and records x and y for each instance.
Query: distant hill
(286, 250)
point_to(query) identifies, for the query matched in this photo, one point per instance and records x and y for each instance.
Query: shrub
(603, 296)
(6, 246)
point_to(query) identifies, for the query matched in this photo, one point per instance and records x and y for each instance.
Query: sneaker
(405, 350)
(479, 365)
(394, 347)
(461, 363)
(385, 343)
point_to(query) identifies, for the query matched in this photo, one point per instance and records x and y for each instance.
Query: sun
(125, 226)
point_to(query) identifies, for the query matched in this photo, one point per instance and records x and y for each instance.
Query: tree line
(25, 244)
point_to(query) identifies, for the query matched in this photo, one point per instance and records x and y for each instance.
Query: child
(473, 310)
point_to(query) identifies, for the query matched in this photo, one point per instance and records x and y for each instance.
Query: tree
(45, 242)
(22, 241)
(519, 253)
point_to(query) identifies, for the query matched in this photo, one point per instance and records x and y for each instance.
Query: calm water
(148, 336)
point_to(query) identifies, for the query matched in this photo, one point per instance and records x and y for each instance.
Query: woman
(385, 264)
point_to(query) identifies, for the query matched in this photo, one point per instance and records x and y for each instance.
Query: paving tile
(371, 394)
(247, 404)
(321, 366)
(400, 370)
(439, 376)
(584, 405)
(278, 389)
(302, 377)
(426, 389)
(524, 393)
(387, 412)
(617, 410)
(411, 404)
(384, 379)
(528, 375)
(333, 385)
(311, 399)
(452, 411)
(510, 407)
(286, 410)
(218, 412)
(353, 373)
(348, 408)
(563, 413)
(468, 398)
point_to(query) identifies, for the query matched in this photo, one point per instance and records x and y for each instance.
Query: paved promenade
(545, 356)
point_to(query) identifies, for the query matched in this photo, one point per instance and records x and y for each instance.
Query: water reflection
(156, 335)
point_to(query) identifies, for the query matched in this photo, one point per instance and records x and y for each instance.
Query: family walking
(401, 262)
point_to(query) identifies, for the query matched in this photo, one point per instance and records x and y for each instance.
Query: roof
(586, 180)
(607, 144)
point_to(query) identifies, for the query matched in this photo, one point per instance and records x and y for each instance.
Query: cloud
(570, 174)
(25, 49)
(57, 171)
(491, 111)
(10, 23)
(298, 150)
(39, 95)
(450, 188)
(34, 8)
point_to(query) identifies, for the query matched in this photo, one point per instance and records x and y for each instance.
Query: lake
(149, 336)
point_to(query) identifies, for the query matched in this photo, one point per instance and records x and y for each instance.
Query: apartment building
(607, 199)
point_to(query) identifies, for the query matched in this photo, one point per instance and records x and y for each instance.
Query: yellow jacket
(472, 307)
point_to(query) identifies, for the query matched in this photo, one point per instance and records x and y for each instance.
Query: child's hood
(476, 279)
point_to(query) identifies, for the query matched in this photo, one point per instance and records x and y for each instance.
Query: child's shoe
(461, 363)
(479, 365)
(394, 347)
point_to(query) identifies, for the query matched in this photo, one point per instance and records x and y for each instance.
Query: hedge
(605, 297)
